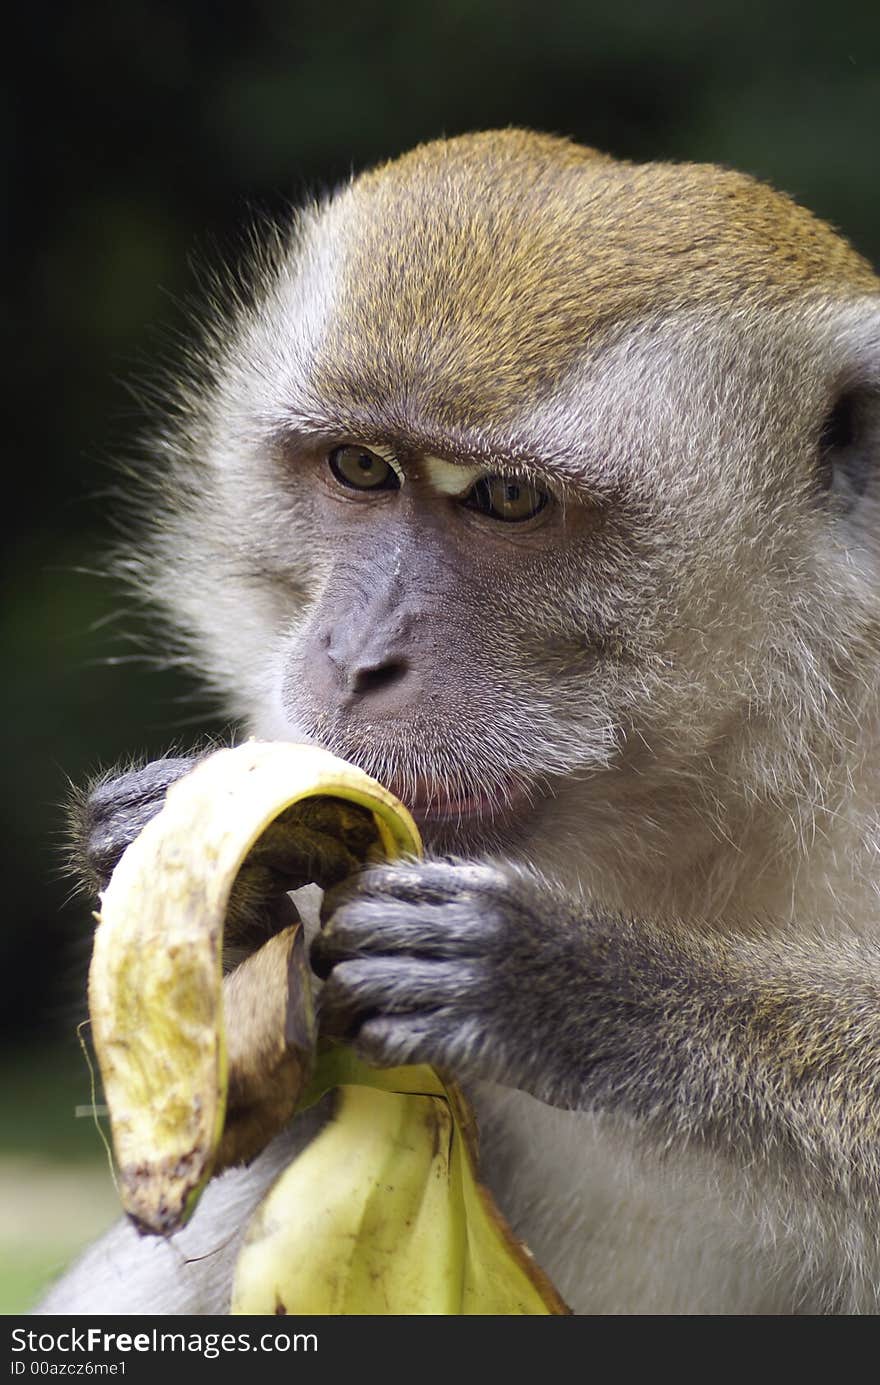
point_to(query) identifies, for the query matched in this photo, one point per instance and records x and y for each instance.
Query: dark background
(138, 135)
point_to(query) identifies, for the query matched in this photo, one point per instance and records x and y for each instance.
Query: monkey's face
(490, 629)
(486, 637)
(440, 649)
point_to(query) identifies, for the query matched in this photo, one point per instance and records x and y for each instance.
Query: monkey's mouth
(453, 813)
(437, 803)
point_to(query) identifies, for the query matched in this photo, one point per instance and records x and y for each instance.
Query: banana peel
(156, 989)
(383, 1212)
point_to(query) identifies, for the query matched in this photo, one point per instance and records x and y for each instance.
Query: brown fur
(493, 262)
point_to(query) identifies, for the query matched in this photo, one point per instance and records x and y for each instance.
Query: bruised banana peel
(382, 1213)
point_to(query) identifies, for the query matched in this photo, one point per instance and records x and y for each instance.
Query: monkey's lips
(435, 803)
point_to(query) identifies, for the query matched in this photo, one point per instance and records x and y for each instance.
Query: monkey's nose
(375, 677)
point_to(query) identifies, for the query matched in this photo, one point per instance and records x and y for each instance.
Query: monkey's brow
(466, 447)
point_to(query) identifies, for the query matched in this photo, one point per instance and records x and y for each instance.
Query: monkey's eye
(505, 497)
(362, 470)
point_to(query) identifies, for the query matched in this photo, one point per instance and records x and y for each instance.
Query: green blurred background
(139, 136)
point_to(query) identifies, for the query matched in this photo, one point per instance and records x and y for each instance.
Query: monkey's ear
(849, 439)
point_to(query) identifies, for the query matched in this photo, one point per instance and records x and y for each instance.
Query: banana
(382, 1213)
(357, 1223)
(156, 982)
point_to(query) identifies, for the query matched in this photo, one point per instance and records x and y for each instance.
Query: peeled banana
(381, 1213)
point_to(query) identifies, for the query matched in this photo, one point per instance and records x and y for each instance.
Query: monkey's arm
(762, 1049)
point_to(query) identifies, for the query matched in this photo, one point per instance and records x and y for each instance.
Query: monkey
(543, 485)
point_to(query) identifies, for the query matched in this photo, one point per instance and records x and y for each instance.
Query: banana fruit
(382, 1213)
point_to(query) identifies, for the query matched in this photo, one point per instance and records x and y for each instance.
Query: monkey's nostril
(378, 676)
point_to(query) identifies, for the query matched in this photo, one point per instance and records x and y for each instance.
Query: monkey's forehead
(511, 208)
(481, 268)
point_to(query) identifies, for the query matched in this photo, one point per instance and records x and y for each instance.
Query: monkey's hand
(451, 964)
(106, 817)
(764, 1047)
(309, 842)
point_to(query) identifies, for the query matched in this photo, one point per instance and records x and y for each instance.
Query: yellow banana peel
(382, 1212)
